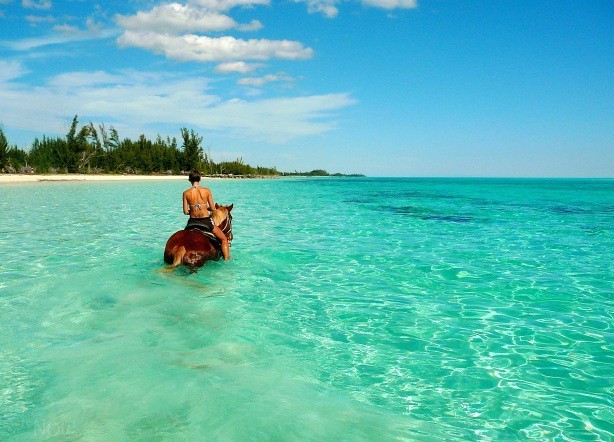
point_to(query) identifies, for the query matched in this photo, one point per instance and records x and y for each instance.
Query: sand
(30, 178)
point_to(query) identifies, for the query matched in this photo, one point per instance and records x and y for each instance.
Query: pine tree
(68, 155)
(113, 139)
(192, 149)
(4, 149)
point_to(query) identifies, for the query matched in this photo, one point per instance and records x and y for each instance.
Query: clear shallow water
(352, 309)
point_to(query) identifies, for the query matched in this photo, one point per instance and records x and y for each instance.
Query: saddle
(209, 235)
(225, 226)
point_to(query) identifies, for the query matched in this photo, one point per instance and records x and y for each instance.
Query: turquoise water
(377, 309)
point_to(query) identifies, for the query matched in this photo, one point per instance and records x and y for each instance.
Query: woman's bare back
(198, 199)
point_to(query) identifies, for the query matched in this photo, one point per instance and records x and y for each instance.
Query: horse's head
(223, 219)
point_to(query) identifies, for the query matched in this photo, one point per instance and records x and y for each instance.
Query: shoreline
(68, 177)
(16, 178)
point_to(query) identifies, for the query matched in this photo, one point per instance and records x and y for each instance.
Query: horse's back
(198, 248)
(193, 248)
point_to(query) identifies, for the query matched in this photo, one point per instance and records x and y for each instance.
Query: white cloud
(254, 25)
(329, 9)
(93, 29)
(72, 80)
(64, 34)
(10, 70)
(225, 5)
(391, 4)
(134, 101)
(32, 43)
(325, 7)
(236, 66)
(281, 119)
(36, 4)
(66, 29)
(35, 19)
(176, 18)
(261, 81)
(201, 48)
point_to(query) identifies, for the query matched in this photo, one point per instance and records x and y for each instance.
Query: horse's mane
(219, 215)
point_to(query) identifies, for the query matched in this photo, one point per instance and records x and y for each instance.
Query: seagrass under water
(419, 309)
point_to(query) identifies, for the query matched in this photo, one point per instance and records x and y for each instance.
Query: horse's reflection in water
(194, 248)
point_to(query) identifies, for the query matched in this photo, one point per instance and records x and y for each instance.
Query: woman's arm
(211, 207)
(186, 207)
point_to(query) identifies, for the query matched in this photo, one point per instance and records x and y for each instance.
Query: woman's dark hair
(194, 176)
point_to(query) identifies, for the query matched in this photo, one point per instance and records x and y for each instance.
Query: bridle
(226, 226)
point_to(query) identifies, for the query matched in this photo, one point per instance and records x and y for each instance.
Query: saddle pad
(210, 236)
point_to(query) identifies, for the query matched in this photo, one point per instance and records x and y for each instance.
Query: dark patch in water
(595, 230)
(426, 214)
(567, 209)
(101, 302)
(580, 210)
(452, 218)
(416, 194)
(405, 210)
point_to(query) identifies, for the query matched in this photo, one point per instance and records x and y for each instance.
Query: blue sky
(381, 87)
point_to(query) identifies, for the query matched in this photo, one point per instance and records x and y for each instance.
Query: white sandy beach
(30, 178)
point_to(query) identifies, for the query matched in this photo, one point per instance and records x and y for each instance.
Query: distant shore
(32, 178)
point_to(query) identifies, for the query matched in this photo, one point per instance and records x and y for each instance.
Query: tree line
(96, 149)
(320, 173)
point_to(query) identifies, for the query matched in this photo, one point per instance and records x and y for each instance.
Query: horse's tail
(178, 254)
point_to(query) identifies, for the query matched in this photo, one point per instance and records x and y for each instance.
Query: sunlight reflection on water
(429, 309)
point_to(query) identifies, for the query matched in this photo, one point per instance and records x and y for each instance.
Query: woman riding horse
(195, 201)
(204, 234)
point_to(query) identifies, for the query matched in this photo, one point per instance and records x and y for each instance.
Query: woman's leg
(220, 235)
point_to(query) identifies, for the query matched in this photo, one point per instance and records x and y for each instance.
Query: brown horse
(193, 248)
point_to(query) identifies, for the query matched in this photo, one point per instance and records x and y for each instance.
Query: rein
(226, 227)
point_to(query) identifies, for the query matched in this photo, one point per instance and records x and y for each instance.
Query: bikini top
(198, 206)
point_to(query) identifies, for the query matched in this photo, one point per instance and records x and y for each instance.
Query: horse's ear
(230, 207)
(217, 206)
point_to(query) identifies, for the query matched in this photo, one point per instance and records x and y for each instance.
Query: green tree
(10, 155)
(4, 149)
(143, 160)
(69, 153)
(88, 146)
(192, 150)
(41, 155)
(113, 139)
(17, 157)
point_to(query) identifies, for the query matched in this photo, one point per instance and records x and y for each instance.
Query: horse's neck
(218, 216)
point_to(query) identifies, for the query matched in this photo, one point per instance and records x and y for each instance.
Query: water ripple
(427, 310)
